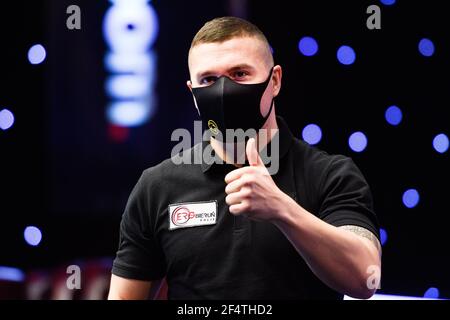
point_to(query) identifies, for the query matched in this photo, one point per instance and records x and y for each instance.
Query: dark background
(62, 172)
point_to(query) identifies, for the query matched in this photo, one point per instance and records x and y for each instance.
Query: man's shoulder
(314, 157)
(321, 171)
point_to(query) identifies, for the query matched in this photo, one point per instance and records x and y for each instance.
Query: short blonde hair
(225, 28)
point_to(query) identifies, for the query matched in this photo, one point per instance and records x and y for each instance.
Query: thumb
(252, 153)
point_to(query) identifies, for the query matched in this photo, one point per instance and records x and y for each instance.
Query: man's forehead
(229, 54)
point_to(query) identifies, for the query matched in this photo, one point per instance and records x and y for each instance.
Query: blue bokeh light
(128, 113)
(357, 141)
(144, 21)
(432, 293)
(426, 47)
(346, 55)
(308, 46)
(383, 236)
(6, 119)
(312, 134)
(11, 274)
(36, 54)
(130, 29)
(387, 2)
(393, 115)
(440, 143)
(32, 235)
(411, 198)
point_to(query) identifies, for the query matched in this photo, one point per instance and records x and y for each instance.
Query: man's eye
(208, 80)
(240, 75)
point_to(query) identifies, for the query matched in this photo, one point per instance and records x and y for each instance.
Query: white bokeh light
(36, 54)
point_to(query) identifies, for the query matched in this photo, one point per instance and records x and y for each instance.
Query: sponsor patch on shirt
(192, 214)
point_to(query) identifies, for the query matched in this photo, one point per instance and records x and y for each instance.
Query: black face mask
(230, 105)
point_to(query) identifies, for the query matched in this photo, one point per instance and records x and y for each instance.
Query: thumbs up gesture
(251, 190)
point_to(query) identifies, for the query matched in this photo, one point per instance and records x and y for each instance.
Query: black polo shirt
(235, 258)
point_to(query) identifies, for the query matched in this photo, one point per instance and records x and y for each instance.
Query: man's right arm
(128, 289)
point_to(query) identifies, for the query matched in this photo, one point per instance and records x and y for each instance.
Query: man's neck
(234, 153)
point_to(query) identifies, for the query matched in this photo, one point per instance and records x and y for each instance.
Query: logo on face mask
(213, 127)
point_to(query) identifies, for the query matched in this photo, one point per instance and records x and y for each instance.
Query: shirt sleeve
(139, 255)
(346, 197)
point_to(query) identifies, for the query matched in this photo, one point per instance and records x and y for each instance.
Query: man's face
(245, 60)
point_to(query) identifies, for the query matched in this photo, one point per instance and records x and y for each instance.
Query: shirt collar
(285, 139)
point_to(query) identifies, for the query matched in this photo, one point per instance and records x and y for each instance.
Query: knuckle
(229, 188)
(247, 191)
(248, 179)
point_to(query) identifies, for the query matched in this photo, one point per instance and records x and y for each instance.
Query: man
(230, 231)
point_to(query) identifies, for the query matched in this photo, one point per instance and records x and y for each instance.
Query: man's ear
(189, 85)
(276, 77)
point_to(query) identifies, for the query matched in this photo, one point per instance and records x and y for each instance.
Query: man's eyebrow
(234, 68)
(241, 66)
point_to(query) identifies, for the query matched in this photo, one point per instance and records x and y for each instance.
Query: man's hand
(251, 190)
(341, 259)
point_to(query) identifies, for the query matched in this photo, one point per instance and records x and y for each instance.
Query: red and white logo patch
(192, 214)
